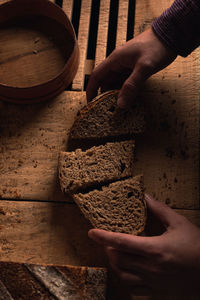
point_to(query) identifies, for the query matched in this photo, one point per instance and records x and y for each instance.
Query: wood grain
(102, 34)
(31, 138)
(83, 32)
(33, 51)
(122, 22)
(168, 153)
(46, 233)
(67, 6)
(51, 233)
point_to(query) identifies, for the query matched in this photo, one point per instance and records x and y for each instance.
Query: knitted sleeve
(179, 26)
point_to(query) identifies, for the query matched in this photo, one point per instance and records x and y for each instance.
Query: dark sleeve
(179, 26)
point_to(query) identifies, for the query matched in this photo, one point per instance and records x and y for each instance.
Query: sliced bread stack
(100, 178)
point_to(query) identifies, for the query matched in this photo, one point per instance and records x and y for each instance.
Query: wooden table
(40, 225)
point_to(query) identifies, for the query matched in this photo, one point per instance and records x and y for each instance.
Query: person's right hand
(129, 66)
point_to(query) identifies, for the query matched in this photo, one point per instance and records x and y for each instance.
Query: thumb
(132, 86)
(164, 213)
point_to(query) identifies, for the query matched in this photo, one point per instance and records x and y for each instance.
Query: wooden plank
(54, 233)
(122, 22)
(67, 6)
(30, 141)
(102, 34)
(168, 153)
(83, 32)
(48, 233)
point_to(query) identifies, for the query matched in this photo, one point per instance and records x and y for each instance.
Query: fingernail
(148, 197)
(90, 233)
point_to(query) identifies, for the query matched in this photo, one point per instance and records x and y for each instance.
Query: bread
(36, 282)
(102, 118)
(117, 207)
(105, 163)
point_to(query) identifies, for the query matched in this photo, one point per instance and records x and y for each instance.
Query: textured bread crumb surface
(119, 207)
(105, 163)
(102, 117)
(37, 282)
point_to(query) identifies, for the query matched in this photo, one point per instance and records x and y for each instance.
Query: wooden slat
(122, 22)
(168, 153)
(67, 6)
(83, 32)
(49, 233)
(54, 233)
(30, 141)
(102, 34)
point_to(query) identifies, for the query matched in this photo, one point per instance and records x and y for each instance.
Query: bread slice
(104, 163)
(117, 207)
(35, 282)
(103, 118)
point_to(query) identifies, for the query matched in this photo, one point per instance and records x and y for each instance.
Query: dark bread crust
(106, 124)
(36, 282)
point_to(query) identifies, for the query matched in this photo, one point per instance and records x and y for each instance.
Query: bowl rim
(23, 92)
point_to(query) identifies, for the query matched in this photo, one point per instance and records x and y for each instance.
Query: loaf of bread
(105, 163)
(117, 207)
(37, 282)
(102, 118)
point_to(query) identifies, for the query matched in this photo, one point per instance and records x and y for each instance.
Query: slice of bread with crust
(105, 163)
(118, 207)
(102, 118)
(31, 281)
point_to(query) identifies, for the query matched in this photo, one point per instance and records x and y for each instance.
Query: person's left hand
(168, 263)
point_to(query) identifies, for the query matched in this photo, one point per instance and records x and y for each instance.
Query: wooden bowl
(39, 53)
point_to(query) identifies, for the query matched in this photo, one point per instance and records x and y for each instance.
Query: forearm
(179, 26)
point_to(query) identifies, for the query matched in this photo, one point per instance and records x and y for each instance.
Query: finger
(164, 213)
(132, 86)
(96, 79)
(129, 262)
(146, 246)
(127, 277)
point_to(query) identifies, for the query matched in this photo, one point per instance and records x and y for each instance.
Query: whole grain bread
(104, 163)
(102, 118)
(37, 282)
(117, 207)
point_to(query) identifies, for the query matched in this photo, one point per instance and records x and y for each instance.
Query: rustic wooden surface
(78, 82)
(122, 22)
(168, 153)
(42, 232)
(67, 6)
(102, 31)
(32, 136)
(48, 233)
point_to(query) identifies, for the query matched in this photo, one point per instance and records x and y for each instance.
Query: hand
(168, 263)
(129, 66)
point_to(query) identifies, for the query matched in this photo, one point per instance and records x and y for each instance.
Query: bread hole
(70, 184)
(122, 166)
(130, 194)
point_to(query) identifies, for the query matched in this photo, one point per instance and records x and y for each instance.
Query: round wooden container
(39, 53)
